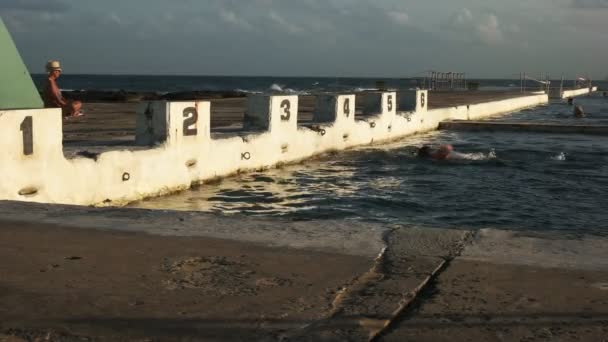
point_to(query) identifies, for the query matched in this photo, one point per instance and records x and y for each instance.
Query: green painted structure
(17, 90)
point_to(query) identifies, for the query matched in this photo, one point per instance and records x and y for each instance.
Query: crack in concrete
(416, 297)
(366, 307)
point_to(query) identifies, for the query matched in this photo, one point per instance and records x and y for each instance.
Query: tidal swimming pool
(516, 181)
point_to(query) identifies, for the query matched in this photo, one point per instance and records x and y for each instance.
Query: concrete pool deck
(113, 123)
(98, 274)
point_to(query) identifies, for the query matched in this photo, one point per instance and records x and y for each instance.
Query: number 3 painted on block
(286, 106)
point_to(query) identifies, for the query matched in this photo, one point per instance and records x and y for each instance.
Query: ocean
(249, 84)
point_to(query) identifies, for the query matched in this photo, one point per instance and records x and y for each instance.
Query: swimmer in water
(441, 153)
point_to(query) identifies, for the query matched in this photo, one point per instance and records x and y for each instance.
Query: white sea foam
(238, 90)
(560, 157)
(276, 87)
(279, 88)
(473, 156)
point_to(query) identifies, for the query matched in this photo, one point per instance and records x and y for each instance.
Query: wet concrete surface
(73, 274)
(481, 301)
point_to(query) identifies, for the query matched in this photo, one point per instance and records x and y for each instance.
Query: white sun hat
(53, 65)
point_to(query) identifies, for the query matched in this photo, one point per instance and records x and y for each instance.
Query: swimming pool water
(518, 181)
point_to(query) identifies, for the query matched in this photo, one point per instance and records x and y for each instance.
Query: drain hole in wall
(345, 137)
(284, 148)
(30, 191)
(390, 128)
(126, 177)
(191, 163)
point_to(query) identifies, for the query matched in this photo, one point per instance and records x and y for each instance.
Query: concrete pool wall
(178, 149)
(564, 94)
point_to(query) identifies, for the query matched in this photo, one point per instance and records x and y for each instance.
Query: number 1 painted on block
(28, 135)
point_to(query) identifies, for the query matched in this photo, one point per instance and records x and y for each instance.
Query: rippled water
(517, 181)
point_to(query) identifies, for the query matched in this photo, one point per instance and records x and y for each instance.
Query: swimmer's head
(446, 149)
(443, 152)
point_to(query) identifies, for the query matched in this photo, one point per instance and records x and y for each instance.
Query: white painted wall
(182, 150)
(572, 93)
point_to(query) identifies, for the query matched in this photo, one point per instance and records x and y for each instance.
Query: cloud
(464, 26)
(113, 18)
(462, 17)
(590, 3)
(398, 17)
(284, 24)
(232, 18)
(35, 5)
(489, 30)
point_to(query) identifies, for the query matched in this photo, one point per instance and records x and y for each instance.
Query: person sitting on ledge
(441, 153)
(52, 95)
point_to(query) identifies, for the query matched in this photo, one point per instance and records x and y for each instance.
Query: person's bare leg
(76, 106)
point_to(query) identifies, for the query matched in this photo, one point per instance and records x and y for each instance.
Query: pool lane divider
(533, 127)
(177, 148)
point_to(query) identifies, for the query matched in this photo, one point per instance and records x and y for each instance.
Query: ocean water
(296, 85)
(516, 181)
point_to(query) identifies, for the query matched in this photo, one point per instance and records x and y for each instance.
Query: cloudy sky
(485, 38)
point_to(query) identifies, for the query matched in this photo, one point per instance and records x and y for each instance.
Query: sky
(356, 38)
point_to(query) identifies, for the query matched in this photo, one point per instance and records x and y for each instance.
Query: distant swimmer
(579, 112)
(441, 153)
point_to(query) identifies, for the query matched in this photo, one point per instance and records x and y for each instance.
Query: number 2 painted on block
(190, 119)
(27, 131)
